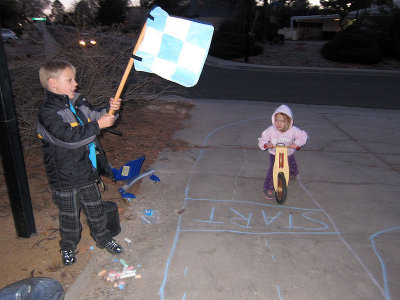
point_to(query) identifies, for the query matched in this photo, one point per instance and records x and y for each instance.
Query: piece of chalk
(127, 275)
(123, 262)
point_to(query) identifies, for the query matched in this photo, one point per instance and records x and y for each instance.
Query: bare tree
(57, 11)
(32, 8)
(8, 12)
(85, 13)
(112, 11)
(99, 72)
(343, 8)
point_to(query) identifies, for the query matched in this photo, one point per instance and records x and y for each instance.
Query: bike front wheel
(281, 192)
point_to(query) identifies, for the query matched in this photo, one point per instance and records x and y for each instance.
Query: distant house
(314, 27)
(323, 27)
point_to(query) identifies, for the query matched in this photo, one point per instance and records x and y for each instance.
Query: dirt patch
(147, 131)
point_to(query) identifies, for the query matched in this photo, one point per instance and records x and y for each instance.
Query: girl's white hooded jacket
(274, 136)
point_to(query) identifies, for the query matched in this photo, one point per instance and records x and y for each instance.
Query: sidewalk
(336, 237)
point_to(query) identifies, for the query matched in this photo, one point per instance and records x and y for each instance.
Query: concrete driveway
(336, 237)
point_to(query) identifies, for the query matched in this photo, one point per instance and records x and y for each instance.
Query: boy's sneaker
(68, 257)
(111, 247)
(268, 194)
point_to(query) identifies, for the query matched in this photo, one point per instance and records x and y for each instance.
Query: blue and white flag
(173, 48)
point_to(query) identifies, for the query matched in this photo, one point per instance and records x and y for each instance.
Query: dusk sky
(68, 3)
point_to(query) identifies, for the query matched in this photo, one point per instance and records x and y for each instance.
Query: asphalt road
(318, 86)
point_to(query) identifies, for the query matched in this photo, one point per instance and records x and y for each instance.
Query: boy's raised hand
(106, 120)
(115, 104)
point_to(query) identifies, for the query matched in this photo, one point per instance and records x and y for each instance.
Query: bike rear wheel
(281, 192)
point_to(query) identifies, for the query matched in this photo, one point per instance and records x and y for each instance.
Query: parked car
(86, 40)
(8, 35)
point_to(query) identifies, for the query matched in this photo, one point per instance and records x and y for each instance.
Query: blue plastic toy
(130, 172)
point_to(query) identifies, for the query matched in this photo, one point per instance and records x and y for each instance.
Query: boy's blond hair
(288, 120)
(53, 69)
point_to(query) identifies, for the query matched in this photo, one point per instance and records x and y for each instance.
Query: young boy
(73, 157)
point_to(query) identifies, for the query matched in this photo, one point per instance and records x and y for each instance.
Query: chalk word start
(251, 219)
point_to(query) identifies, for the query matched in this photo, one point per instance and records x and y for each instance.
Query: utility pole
(12, 156)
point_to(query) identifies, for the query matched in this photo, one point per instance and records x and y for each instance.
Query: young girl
(281, 131)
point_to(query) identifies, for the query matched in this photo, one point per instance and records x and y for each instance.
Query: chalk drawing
(241, 218)
(273, 258)
(257, 218)
(252, 202)
(178, 227)
(305, 215)
(211, 219)
(238, 174)
(382, 262)
(279, 293)
(267, 220)
(356, 256)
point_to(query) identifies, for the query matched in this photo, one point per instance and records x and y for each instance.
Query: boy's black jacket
(65, 142)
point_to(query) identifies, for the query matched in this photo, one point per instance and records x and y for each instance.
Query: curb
(226, 64)
(80, 283)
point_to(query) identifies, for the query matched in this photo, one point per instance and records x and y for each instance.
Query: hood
(283, 109)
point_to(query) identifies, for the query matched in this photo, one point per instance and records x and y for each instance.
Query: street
(365, 89)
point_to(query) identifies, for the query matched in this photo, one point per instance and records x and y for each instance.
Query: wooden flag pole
(128, 68)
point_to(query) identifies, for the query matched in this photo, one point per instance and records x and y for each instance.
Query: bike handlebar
(283, 145)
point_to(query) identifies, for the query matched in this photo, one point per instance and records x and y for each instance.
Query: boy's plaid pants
(70, 202)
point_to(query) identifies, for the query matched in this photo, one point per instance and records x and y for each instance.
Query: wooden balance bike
(281, 173)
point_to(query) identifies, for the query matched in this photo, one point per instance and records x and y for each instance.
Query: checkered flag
(173, 48)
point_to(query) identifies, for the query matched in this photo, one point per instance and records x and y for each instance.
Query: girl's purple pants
(293, 171)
